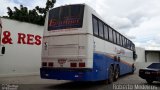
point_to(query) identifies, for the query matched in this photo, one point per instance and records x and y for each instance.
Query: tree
(35, 16)
(10, 12)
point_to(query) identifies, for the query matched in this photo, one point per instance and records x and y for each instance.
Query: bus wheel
(110, 75)
(133, 68)
(116, 73)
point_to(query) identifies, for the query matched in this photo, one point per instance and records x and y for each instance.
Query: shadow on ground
(80, 86)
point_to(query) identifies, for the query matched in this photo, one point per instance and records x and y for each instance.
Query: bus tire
(110, 75)
(133, 69)
(116, 73)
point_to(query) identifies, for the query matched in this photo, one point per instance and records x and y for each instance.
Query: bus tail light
(44, 64)
(50, 64)
(82, 65)
(73, 64)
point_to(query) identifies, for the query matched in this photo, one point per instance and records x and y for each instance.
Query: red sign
(29, 39)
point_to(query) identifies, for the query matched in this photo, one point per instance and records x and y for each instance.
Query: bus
(79, 46)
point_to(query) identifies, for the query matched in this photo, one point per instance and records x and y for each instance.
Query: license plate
(62, 61)
(147, 73)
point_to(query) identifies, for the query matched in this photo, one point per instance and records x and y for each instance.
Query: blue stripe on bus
(101, 63)
(104, 61)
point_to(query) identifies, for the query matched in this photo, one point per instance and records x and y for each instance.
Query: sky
(139, 20)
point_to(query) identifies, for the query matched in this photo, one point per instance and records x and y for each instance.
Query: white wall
(20, 59)
(140, 61)
(153, 57)
(141, 54)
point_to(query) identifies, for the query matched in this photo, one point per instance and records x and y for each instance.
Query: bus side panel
(89, 50)
(125, 68)
(104, 54)
(102, 63)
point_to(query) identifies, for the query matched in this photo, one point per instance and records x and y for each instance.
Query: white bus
(78, 45)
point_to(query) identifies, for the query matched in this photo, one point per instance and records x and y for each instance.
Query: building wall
(140, 61)
(153, 57)
(141, 54)
(21, 57)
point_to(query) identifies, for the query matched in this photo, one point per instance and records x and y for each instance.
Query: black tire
(116, 73)
(105, 82)
(133, 69)
(110, 75)
(149, 81)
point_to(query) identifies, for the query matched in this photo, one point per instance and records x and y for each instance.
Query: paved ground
(127, 82)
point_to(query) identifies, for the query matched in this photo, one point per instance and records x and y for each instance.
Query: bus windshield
(70, 16)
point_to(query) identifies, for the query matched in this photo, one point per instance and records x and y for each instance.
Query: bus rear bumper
(68, 74)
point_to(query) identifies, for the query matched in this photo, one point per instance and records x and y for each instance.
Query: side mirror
(135, 56)
(3, 50)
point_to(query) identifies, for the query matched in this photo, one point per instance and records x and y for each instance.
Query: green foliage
(35, 16)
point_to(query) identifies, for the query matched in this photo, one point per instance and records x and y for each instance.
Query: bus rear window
(70, 16)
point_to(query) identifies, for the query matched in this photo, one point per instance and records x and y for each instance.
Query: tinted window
(114, 37)
(118, 39)
(110, 34)
(132, 45)
(100, 29)
(154, 66)
(95, 26)
(70, 16)
(124, 42)
(106, 32)
(129, 44)
(121, 40)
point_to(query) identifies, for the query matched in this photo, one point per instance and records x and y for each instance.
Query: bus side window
(130, 45)
(101, 33)
(127, 43)
(110, 35)
(106, 32)
(95, 26)
(124, 42)
(120, 40)
(114, 37)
